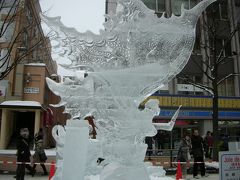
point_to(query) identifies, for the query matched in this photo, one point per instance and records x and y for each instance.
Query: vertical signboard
(229, 167)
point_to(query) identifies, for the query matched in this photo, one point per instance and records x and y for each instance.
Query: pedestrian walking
(39, 154)
(184, 153)
(198, 155)
(209, 144)
(149, 142)
(159, 140)
(23, 154)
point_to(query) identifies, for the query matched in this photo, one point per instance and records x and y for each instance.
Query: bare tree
(216, 55)
(15, 44)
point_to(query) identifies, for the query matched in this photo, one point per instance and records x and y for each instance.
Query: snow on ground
(49, 152)
(212, 164)
(152, 178)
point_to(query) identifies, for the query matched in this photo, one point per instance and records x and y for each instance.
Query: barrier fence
(53, 163)
(16, 163)
(168, 157)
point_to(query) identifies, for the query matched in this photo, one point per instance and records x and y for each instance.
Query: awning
(21, 105)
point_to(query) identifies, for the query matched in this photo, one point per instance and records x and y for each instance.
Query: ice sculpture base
(75, 150)
(115, 171)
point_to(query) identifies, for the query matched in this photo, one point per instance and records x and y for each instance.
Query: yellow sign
(196, 102)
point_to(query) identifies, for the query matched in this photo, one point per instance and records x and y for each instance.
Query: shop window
(157, 5)
(231, 129)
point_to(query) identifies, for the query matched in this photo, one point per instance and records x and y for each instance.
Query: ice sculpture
(134, 56)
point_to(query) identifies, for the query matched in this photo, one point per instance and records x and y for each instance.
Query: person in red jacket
(209, 144)
(91, 122)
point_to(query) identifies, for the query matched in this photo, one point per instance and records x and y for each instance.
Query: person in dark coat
(184, 153)
(23, 154)
(149, 142)
(198, 154)
(39, 155)
(159, 138)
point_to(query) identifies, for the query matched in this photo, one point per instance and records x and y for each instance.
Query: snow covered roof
(35, 64)
(21, 104)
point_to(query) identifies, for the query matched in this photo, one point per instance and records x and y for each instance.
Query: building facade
(196, 103)
(25, 96)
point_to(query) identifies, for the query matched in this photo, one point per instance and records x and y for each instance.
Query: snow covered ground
(152, 178)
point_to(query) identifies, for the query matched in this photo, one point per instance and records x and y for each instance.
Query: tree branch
(199, 85)
(226, 77)
(19, 59)
(219, 58)
(201, 68)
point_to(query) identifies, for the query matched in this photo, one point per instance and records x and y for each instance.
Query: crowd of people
(24, 154)
(193, 146)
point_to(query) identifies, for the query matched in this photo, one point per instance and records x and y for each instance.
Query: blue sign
(184, 114)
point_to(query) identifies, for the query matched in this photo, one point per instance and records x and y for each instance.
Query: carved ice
(134, 56)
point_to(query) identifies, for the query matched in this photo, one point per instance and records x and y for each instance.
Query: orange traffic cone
(179, 171)
(52, 170)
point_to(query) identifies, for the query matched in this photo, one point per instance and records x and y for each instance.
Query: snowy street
(39, 177)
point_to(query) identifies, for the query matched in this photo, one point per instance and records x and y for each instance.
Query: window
(157, 5)
(226, 88)
(8, 29)
(25, 39)
(197, 46)
(237, 3)
(29, 14)
(160, 8)
(220, 44)
(230, 87)
(223, 12)
(151, 4)
(219, 10)
(4, 58)
(188, 4)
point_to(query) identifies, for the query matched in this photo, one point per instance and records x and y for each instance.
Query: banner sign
(31, 90)
(229, 168)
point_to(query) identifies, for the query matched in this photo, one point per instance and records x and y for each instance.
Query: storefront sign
(196, 101)
(185, 114)
(229, 167)
(31, 90)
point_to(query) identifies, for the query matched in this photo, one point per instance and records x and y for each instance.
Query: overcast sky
(81, 14)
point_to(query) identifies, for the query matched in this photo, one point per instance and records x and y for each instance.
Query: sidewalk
(39, 177)
(210, 177)
(27, 177)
